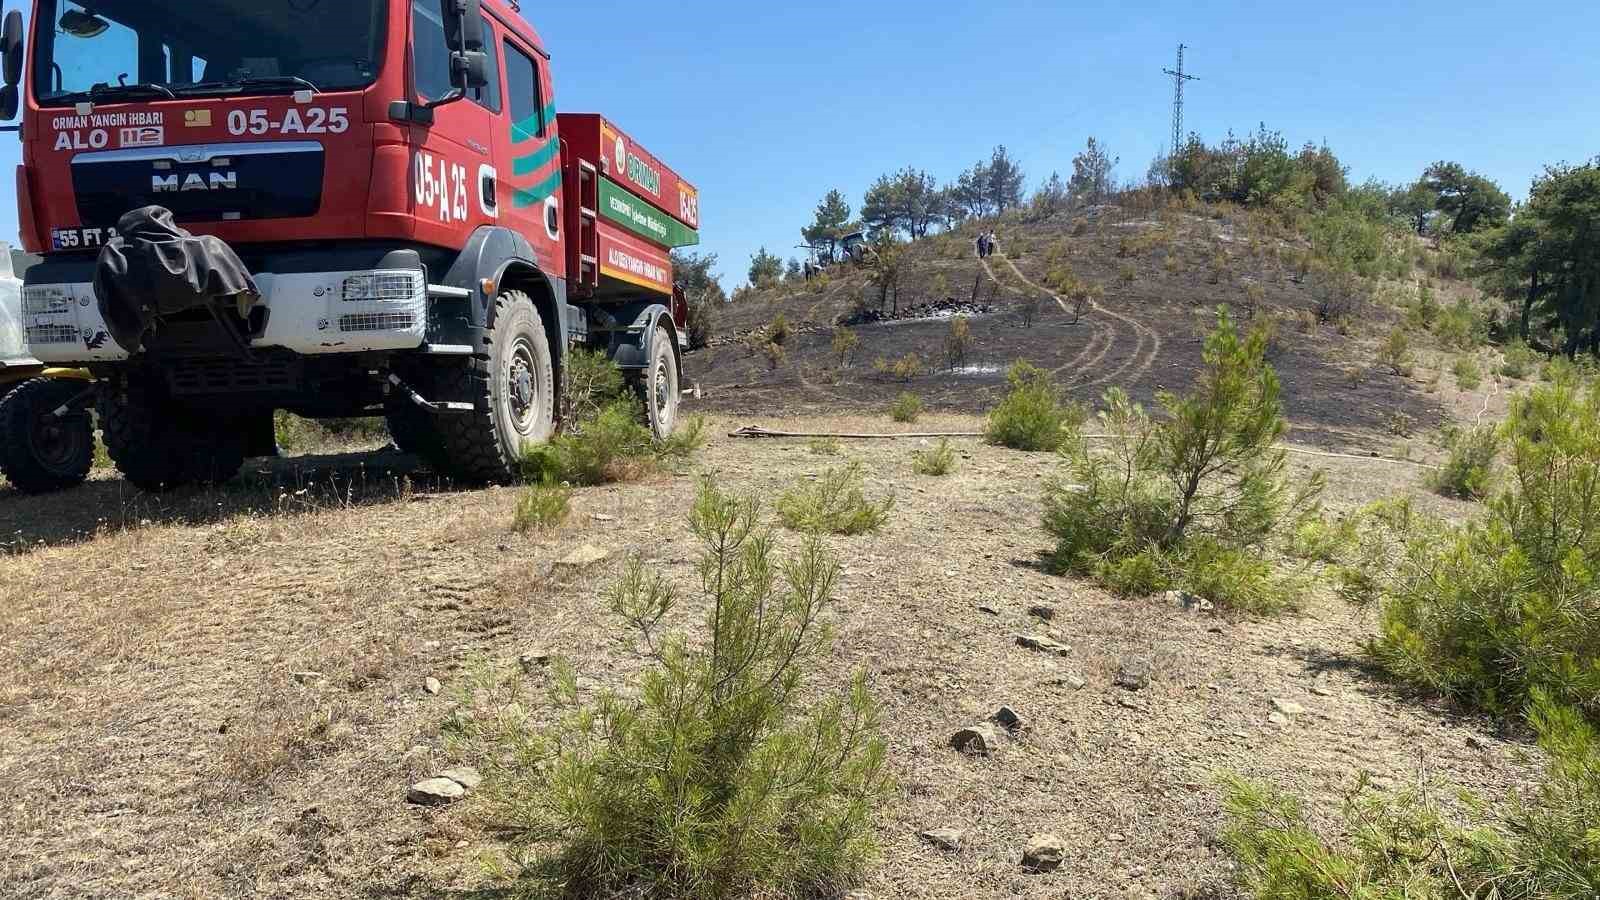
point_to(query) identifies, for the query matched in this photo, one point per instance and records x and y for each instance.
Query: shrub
(1520, 361)
(592, 382)
(833, 504)
(1491, 611)
(1318, 540)
(1468, 376)
(1459, 327)
(1190, 500)
(1127, 275)
(1032, 416)
(541, 507)
(778, 331)
(755, 784)
(615, 445)
(1405, 846)
(1028, 309)
(937, 462)
(1467, 473)
(1395, 352)
(907, 408)
(845, 344)
(775, 355)
(825, 446)
(903, 369)
(958, 342)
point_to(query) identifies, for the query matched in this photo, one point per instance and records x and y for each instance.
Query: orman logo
(621, 153)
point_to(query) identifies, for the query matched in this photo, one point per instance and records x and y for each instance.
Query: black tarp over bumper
(153, 269)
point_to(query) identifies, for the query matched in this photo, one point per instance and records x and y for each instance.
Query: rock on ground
(948, 839)
(1044, 853)
(979, 740)
(1043, 644)
(436, 792)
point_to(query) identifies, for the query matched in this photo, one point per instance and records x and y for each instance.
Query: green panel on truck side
(619, 205)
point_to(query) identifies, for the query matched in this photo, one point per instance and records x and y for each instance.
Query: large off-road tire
(160, 449)
(512, 393)
(658, 386)
(39, 451)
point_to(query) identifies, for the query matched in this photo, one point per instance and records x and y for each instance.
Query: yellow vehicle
(46, 436)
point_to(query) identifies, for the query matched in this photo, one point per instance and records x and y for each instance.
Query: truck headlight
(46, 300)
(47, 315)
(400, 286)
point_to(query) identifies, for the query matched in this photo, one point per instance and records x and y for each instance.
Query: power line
(1179, 77)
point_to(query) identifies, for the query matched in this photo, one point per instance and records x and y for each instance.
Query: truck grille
(202, 183)
(52, 334)
(231, 376)
(377, 322)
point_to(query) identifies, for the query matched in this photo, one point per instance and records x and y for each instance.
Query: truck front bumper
(354, 310)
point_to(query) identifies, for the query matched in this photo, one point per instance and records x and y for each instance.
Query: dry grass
(156, 739)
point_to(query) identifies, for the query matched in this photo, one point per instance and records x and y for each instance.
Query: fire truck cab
(336, 208)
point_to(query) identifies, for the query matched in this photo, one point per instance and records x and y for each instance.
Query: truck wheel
(159, 449)
(512, 393)
(658, 386)
(40, 452)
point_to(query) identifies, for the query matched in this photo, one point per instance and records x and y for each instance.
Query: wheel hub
(522, 386)
(51, 440)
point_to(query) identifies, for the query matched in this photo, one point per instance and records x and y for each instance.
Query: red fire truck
(332, 207)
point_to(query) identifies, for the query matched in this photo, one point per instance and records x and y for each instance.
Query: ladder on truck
(588, 225)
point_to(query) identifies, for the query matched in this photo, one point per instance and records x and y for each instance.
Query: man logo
(194, 181)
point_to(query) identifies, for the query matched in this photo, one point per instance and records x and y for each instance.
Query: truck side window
(430, 58)
(522, 87)
(488, 96)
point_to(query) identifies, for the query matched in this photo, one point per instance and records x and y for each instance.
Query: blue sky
(765, 106)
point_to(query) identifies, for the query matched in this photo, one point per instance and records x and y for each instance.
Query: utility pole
(1178, 79)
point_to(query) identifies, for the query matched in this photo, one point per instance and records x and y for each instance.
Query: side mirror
(463, 25)
(471, 69)
(11, 48)
(10, 102)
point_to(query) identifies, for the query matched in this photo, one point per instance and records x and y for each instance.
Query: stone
(1134, 674)
(305, 677)
(979, 740)
(466, 776)
(1187, 602)
(436, 792)
(1278, 719)
(947, 839)
(1043, 644)
(1074, 682)
(1288, 707)
(584, 557)
(533, 660)
(1008, 719)
(988, 610)
(431, 685)
(602, 517)
(1043, 853)
(1321, 691)
(1043, 613)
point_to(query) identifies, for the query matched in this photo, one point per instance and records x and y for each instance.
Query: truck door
(532, 154)
(454, 178)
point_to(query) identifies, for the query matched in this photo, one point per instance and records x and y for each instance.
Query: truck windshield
(109, 50)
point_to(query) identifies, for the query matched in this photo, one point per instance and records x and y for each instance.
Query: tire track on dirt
(1143, 360)
(1097, 330)
(1146, 350)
